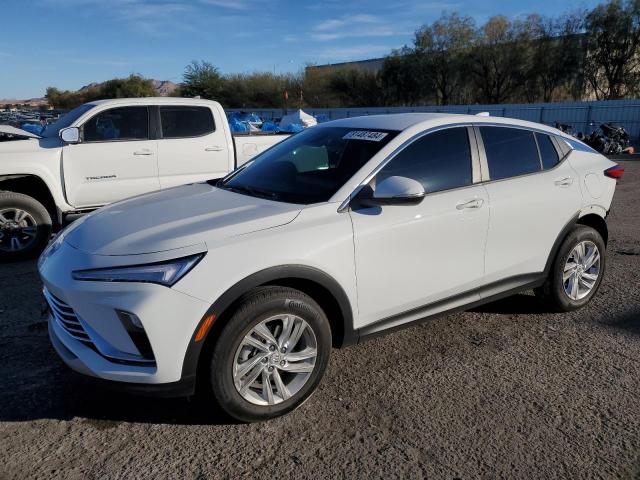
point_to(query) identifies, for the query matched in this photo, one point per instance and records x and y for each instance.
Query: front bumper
(106, 349)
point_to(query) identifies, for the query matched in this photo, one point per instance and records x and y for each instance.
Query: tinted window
(184, 122)
(510, 151)
(439, 160)
(309, 167)
(548, 152)
(128, 123)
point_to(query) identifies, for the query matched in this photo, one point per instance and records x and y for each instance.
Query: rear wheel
(271, 355)
(25, 226)
(577, 270)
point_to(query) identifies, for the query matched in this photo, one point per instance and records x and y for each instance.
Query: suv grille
(66, 318)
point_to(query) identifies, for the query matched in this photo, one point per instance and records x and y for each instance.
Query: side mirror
(392, 191)
(70, 135)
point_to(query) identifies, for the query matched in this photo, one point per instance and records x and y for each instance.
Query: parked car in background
(344, 231)
(106, 151)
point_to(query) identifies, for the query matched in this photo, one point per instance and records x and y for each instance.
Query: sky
(70, 43)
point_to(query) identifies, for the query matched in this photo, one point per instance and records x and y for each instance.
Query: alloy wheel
(275, 360)
(18, 229)
(581, 270)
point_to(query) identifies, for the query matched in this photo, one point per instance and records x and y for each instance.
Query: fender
(272, 275)
(556, 245)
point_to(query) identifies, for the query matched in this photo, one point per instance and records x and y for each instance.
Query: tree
(202, 79)
(355, 87)
(442, 49)
(498, 60)
(402, 78)
(613, 42)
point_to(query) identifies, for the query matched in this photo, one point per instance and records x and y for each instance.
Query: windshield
(66, 120)
(310, 166)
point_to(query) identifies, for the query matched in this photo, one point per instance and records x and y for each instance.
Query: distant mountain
(164, 88)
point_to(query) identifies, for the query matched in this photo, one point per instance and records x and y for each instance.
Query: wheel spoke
(280, 386)
(19, 216)
(16, 244)
(262, 330)
(295, 335)
(267, 391)
(243, 368)
(3, 219)
(253, 375)
(592, 259)
(568, 273)
(29, 231)
(302, 355)
(287, 326)
(252, 342)
(586, 283)
(297, 367)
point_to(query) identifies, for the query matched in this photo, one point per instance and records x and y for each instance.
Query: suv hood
(17, 132)
(175, 218)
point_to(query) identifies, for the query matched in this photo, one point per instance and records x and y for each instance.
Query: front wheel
(271, 355)
(25, 226)
(577, 270)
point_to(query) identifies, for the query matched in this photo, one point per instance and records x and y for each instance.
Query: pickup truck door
(116, 158)
(192, 147)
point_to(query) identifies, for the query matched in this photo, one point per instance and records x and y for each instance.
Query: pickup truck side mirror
(70, 135)
(392, 191)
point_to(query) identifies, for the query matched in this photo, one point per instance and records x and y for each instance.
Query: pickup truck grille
(66, 318)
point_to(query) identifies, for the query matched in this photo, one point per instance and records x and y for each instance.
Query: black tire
(38, 218)
(253, 308)
(553, 290)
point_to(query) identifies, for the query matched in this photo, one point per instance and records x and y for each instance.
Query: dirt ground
(508, 390)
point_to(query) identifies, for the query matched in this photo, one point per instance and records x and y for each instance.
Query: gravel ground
(508, 390)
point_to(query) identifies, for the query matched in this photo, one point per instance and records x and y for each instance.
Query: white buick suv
(344, 231)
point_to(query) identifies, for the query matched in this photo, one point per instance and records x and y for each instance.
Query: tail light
(614, 172)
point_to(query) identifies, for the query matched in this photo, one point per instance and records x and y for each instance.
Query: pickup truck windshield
(310, 166)
(66, 120)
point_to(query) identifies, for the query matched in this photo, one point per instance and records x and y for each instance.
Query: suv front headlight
(165, 273)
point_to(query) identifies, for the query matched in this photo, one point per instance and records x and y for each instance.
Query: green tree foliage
(613, 43)
(132, 86)
(202, 79)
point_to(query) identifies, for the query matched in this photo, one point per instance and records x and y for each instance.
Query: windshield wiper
(252, 191)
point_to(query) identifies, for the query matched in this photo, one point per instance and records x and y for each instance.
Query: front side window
(510, 152)
(548, 152)
(117, 124)
(309, 167)
(185, 121)
(440, 161)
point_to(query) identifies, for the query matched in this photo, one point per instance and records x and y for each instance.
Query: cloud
(231, 4)
(350, 26)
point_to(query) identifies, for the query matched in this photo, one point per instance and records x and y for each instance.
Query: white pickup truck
(106, 151)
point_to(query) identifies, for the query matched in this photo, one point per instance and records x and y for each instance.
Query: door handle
(146, 151)
(474, 203)
(564, 182)
(214, 148)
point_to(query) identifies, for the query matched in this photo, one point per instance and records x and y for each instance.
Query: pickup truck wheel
(271, 355)
(25, 226)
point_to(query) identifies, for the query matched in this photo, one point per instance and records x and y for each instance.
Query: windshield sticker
(365, 135)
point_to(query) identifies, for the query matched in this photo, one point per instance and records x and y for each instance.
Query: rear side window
(510, 152)
(118, 124)
(548, 152)
(440, 161)
(185, 122)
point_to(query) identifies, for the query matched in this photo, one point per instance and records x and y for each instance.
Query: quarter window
(510, 152)
(127, 123)
(440, 161)
(548, 152)
(185, 122)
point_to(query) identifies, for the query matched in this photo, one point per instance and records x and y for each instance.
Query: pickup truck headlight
(163, 273)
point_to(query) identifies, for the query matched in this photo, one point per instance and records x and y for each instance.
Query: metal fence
(582, 116)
